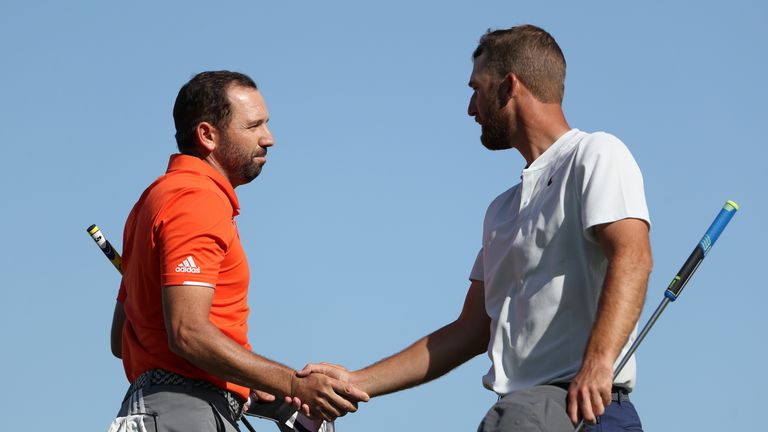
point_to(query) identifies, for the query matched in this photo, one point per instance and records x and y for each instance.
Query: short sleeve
(193, 233)
(611, 185)
(477, 273)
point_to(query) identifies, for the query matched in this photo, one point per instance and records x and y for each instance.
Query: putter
(682, 277)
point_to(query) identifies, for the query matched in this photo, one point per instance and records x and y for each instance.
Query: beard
(496, 131)
(241, 162)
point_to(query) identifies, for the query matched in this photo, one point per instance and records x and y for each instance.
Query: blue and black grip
(106, 247)
(700, 251)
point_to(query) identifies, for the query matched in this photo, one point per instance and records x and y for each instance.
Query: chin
(494, 145)
(250, 175)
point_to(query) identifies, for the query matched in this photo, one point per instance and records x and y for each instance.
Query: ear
(509, 87)
(207, 137)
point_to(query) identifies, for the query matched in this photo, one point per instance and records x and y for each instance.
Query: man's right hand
(332, 370)
(325, 396)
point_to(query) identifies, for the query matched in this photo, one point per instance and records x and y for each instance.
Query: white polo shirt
(541, 265)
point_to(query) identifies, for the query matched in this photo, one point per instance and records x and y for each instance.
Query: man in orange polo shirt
(180, 322)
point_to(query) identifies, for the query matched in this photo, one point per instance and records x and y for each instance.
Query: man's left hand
(590, 391)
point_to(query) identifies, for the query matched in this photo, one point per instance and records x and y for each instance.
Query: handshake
(319, 391)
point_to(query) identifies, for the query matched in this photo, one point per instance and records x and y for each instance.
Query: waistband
(154, 377)
(618, 394)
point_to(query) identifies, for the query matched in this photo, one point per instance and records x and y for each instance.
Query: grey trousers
(538, 409)
(174, 408)
(543, 409)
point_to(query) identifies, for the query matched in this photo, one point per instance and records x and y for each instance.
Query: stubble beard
(496, 131)
(240, 162)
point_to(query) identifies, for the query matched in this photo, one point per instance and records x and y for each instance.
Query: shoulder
(191, 194)
(599, 142)
(191, 186)
(597, 146)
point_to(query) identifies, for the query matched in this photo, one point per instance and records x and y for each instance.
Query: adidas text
(187, 270)
(188, 266)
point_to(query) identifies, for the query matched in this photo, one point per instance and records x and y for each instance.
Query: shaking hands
(322, 391)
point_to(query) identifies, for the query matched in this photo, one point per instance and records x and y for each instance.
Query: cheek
(485, 100)
(482, 106)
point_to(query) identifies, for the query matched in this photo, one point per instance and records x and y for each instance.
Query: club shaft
(680, 280)
(247, 424)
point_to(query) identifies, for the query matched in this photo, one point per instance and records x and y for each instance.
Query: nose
(267, 140)
(471, 108)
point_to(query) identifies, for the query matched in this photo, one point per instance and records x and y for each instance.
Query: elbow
(639, 271)
(182, 339)
(481, 344)
(647, 264)
(477, 340)
(638, 262)
(474, 336)
(177, 342)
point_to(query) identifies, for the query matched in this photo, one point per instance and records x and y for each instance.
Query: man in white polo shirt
(559, 283)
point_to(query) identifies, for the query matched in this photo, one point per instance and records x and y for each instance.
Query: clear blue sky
(363, 227)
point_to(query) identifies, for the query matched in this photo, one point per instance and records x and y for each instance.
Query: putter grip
(700, 251)
(105, 247)
(718, 225)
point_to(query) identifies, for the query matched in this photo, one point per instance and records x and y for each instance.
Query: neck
(539, 129)
(212, 161)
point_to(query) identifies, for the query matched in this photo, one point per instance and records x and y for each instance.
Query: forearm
(434, 355)
(620, 304)
(208, 348)
(204, 345)
(428, 358)
(628, 251)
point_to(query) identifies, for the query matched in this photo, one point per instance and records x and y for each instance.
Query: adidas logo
(188, 266)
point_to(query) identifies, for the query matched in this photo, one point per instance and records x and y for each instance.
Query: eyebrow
(257, 122)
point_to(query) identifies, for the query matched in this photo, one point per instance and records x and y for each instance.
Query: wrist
(362, 381)
(603, 362)
(293, 384)
(600, 366)
(600, 356)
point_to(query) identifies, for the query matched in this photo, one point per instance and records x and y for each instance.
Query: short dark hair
(530, 53)
(204, 99)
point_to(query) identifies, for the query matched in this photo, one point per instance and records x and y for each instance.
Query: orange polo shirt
(182, 232)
